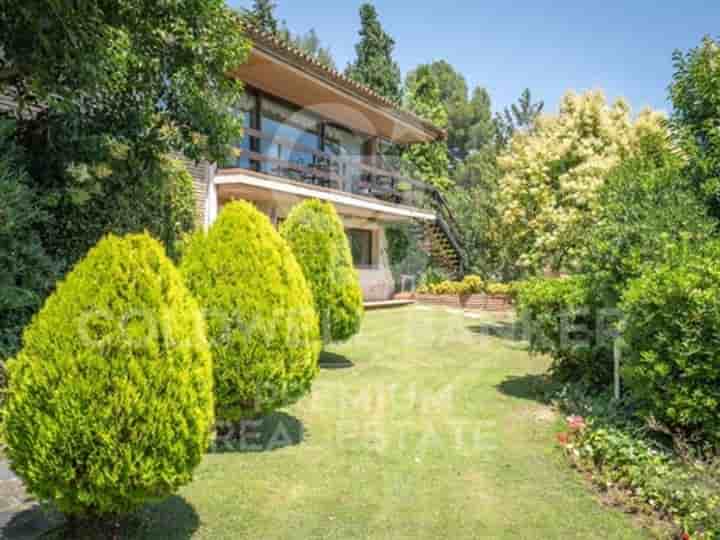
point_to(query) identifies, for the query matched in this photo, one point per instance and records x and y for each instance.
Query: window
(349, 147)
(246, 109)
(295, 134)
(361, 246)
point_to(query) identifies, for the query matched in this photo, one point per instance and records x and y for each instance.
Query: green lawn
(421, 427)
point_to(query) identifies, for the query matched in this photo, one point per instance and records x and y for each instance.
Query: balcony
(368, 176)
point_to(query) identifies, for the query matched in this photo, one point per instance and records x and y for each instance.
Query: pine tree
(309, 43)
(429, 161)
(519, 117)
(262, 16)
(374, 66)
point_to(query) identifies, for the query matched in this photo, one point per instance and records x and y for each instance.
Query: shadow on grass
(531, 387)
(172, 518)
(271, 432)
(511, 331)
(330, 360)
(30, 523)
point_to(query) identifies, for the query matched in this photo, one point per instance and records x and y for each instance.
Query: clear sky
(622, 46)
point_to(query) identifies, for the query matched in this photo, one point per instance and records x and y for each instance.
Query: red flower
(563, 439)
(686, 536)
(576, 423)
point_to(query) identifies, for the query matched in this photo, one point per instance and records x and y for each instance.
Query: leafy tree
(477, 210)
(519, 116)
(428, 161)
(133, 69)
(470, 123)
(646, 204)
(695, 93)
(550, 176)
(317, 238)
(104, 92)
(263, 329)
(262, 16)
(374, 66)
(110, 400)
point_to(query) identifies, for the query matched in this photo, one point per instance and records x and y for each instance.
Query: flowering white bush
(551, 174)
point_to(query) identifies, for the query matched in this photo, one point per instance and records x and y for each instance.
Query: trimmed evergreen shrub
(672, 365)
(317, 238)
(262, 325)
(110, 400)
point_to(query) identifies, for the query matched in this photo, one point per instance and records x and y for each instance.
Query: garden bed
(485, 302)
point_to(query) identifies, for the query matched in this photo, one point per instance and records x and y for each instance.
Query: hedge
(672, 364)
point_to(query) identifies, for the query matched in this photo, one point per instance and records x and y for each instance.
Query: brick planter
(474, 301)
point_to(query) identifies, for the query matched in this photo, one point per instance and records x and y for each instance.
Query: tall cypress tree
(262, 16)
(374, 66)
(429, 161)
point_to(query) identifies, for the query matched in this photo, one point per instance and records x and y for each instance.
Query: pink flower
(576, 423)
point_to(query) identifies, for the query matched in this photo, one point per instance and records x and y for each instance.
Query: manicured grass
(421, 427)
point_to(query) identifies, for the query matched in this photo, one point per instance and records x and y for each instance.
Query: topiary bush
(562, 321)
(672, 366)
(110, 400)
(317, 238)
(263, 329)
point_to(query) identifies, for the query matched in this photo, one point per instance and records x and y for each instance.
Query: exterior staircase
(441, 239)
(442, 246)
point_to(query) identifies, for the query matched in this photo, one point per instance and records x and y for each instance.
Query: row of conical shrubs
(113, 398)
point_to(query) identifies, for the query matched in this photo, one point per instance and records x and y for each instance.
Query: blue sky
(623, 47)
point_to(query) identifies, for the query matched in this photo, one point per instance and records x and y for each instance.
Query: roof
(292, 55)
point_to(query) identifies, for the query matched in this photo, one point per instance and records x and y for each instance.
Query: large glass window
(246, 109)
(361, 246)
(348, 148)
(291, 137)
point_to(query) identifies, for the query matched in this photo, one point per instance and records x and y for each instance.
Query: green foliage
(317, 237)
(110, 399)
(405, 252)
(110, 196)
(263, 329)
(621, 457)
(310, 44)
(374, 66)
(470, 127)
(562, 321)
(104, 67)
(262, 16)
(695, 94)
(645, 204)
(27, 273)
(470, 285)
(518, 117)
(428, 161)
(672, 330)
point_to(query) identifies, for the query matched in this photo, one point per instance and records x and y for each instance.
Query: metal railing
(369, 176)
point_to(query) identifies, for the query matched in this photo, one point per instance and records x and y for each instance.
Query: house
(311, 132)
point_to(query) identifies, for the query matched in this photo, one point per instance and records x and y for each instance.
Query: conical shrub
(110, 400)
(262, 324)
(317, 237)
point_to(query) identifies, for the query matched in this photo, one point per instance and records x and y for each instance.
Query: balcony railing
(368, 176)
